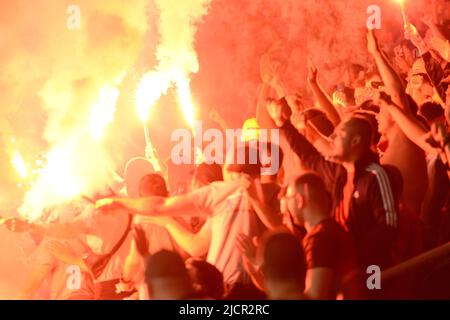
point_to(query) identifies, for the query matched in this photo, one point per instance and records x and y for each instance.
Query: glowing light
(401, 3)
(250, 130)
(185, 100)
(102, 112)
(19, 164)
(152, 86)
(55, 184)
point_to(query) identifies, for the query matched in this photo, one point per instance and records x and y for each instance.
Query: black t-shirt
(328, 245)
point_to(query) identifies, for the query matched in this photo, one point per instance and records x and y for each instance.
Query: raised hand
(339, 98)
(279, 112)
(312, 71)
(410, 32)
(247, 248)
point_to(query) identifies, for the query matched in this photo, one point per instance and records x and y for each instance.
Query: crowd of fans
(364, 181)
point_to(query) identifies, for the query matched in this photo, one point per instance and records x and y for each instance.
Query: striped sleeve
(387, 195)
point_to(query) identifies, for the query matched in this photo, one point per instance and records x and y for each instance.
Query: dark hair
(250, 166)
(246, 165)
(165, 264)
(431, 111)
(208, 173)
(207, 277)
(317, 191)
(153, 184)
(369, 105)
(284, 259)
(370, 116)
(320, 120)
(360, 126)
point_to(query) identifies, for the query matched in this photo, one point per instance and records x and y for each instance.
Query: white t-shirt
(105, 231)
(231, 215)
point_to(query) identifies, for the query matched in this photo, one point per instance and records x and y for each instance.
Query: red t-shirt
(328, 245)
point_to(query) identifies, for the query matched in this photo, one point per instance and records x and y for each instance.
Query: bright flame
(75, 166)
(56, 183)
(19, 164)
(152, 86)
(102, 112)
(176, 56)
(185, 100)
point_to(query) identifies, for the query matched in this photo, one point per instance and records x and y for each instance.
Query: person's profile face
(293, 207)
(341, 142)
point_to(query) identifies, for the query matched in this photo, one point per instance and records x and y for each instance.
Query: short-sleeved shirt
(230, 215)
(104, 232)
(328, 245)
(158, 238)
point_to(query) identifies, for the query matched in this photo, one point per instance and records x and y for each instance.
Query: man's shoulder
(384, 175)
(327, 231)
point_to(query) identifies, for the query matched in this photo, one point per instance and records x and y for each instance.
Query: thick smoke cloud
(237, 32)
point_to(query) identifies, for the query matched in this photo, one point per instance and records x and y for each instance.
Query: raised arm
(430, 59)
(321, 142)
(409, 125)
(53, 230)
(263, 118)
(152, 206)
(393, 83)
(308, 154)
(413, 35)
(196, 203)
(444, 47)
(325, 101)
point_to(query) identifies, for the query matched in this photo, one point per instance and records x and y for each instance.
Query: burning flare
(102, 112)
(19, 164)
